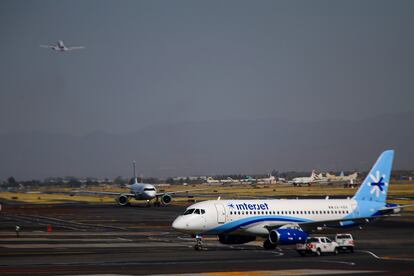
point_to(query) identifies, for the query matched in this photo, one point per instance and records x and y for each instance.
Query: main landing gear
(268, 245)
(199, 243)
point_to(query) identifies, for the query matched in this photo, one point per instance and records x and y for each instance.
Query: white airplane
(248, 179)
(289, 221)
(228, 180)
(211, 180)
(267, 180)
(61, 47)
(305, 180)
(139, 191)
(341, 178)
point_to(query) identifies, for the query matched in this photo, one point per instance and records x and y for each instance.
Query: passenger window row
(314, 212)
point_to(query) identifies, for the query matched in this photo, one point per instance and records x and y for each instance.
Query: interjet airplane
(289, 221)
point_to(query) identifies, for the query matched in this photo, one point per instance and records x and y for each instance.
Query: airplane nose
(178, 224)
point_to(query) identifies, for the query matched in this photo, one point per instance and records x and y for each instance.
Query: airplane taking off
(289, 221)
(139, 191)
(61, 47)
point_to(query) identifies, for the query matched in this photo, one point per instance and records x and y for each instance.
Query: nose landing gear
(199, 243)
(157, 202)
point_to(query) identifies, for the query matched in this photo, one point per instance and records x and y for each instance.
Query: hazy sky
(150, 62)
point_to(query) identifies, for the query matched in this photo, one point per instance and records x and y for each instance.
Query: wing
(76, 48)
(100, 193)
(47, 46)
(178, 192)
(335, 223)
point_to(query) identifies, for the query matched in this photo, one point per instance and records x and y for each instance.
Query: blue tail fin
(375, 185)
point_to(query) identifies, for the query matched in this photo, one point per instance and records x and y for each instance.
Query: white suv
(345, 242)
(317, 245)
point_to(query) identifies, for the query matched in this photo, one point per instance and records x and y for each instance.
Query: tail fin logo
(377, 183)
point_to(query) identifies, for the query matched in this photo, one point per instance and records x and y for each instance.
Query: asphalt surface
(106, 239)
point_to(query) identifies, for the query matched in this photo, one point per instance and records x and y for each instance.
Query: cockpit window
(194, 211)
(188, 212)
(149, 189)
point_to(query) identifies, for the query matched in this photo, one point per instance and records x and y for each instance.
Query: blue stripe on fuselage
(234, 225)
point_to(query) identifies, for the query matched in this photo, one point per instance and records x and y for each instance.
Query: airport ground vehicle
(318, 246)
(345, 242)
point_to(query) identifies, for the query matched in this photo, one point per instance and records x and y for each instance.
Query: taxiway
(105, 239)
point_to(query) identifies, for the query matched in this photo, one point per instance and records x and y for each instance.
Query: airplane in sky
(289, 221)
(139, 191)
(61, 47)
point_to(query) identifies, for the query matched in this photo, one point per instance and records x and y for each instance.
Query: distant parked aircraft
(228, 180)
(211, 180)
(61, 47)
(267, 180)
(341, 177)
(306, 180)
(249, 179)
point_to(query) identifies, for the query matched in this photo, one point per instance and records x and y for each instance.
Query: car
(345, 242)
(317, 246)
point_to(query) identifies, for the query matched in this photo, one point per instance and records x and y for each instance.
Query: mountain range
(211, 147)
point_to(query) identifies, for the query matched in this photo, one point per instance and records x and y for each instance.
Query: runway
(106, 239)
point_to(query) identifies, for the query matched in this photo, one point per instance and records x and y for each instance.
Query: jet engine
(235, 239)
(122, 200)
(287, 236)
(166, 199)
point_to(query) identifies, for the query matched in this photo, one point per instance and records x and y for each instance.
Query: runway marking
(44, 253)
(77, 234)
(336, 262)
(279, 253)
(386, 257)
(288, 272)
(91, 245)
(123, 239)
(370, 253)
(185, 238)
(61, 240)
(149, 263)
